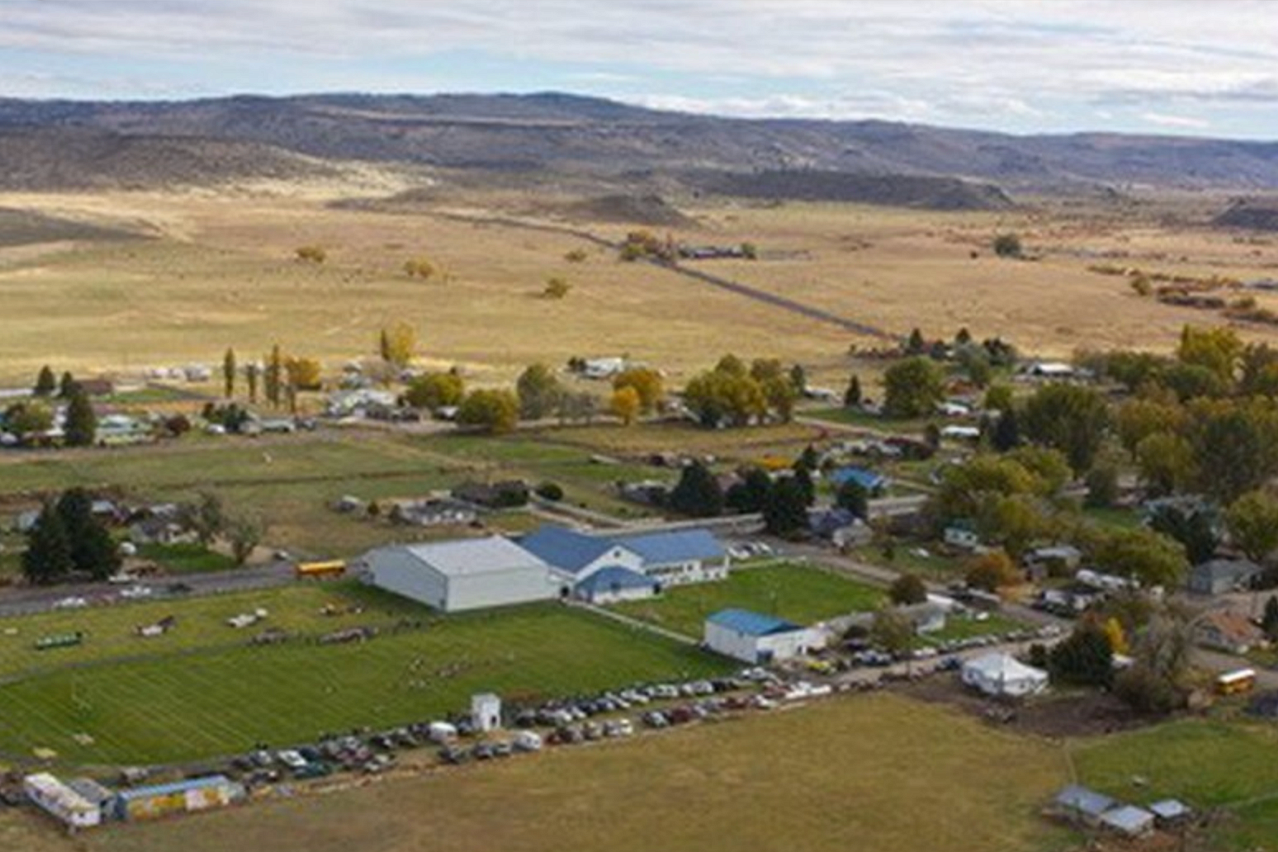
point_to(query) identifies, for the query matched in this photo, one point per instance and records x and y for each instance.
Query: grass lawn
(963, 628)
(934, 566)
(800, 593)
(186, 558)
(870, 772)
(180, 707)
(1127, 519)
(1206, 762)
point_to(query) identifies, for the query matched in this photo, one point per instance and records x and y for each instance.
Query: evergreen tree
(46, 382)
(82, 423)
(916, 345)
(697, 494)
(963, 338)
(853, 497)
(1007, 432)
(751, 493)
(251, 374)
(1269, 622)
(66, 385)
(786, 509)
(48, 555)
(1085, 657)
(228, 373)
(92, 550)
(799, 378)
(806, 486)
(852, 396)
(809, 459)
(274, 379)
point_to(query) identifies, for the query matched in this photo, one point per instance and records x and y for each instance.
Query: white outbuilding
(1002, 675)
(485, 711)
(464, 574)
(67, 805)
(755, 638)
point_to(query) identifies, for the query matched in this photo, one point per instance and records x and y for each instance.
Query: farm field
(1209, 763)
(190, 706)
(792, 591)
(838, 775)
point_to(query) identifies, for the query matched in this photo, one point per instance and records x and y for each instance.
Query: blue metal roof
(174, 787)
(665, 548)
(615, 577)
(867, 479)
(565, 549)
(751, 623)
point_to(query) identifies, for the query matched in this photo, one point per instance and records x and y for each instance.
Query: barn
(755, 638)
(464, 574)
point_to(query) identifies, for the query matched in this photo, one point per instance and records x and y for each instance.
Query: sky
(1196, 67)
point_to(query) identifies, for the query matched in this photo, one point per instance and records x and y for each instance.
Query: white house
(1002, 675)
(462, 574)
(61, 801)
(755, 638)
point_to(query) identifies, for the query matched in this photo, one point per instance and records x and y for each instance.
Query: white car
(136, 592)
(72, 602)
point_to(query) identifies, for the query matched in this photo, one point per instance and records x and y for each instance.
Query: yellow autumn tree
(625, 404)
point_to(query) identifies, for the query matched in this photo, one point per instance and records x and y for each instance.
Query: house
(647, 492)
(121, 430)
(1230, 631)
(1169, 813)
(1056, 561)
(1128, 820)
(1079, 804)
(1001, 675)
(872, 483)
(1218, 576)
(602, 368)
(670, 558)
(160, 529)
(926, 617)
(755, 638)
(962, 534)
(432, 512)
(839, 526)
(463, 574)
(96, 387)
(1104, 582)
(961, 433)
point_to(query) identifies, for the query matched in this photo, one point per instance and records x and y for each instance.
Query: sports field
(191, 700)
(878, 773)
(796, 592)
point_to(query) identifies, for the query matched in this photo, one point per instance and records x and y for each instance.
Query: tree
(491, 410)
(806, 486)
(1148, 557)
(28, 419)
(46, 382)
(781, 396)
(1235, 444)
(1165, 463)
(1006, 434)
(1069, 418)
(646, 382)
(912, 388)
(785, 512)
(1155, 682)
(47, 558)
(852, 396)
(311, 254)
(908, 589)
(302, 373)
(725, 394)
(398, 344)
(853, 497)
(81, 426)
(1218, 350)
(625, 404)
(435, 390)
(92, 550)
(1085, 657)
(751, 493)
(999, 398)
(697, 493)
(1102, 487)
(1196, 529)
(891, 631)
(274, 378)
(244, 534)
(798, 379)
(578, 405)
(1252, 522)
(915, 344)
(1269, 621)
(251, 373)
(992, 571)
(207, 517)
(228, 373)
(419, 267)
(556, 288)
(67, 385)
(539, 391)
(1007, 245)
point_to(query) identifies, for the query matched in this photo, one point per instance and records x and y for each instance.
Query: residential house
(615, 583)
(871, 482)
(926, 617)
(647, 492)
(962, 534)
(1218, 576)
(432, 512)
(1230, 631)
(1056, 561)
(507, 494)
(839, 526)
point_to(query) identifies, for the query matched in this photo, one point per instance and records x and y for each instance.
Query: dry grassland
(878, 773)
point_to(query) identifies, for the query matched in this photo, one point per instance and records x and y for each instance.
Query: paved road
(24, 601)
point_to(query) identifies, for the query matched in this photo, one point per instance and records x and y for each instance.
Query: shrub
(908, 589)
(550, 491)
(1007, 245)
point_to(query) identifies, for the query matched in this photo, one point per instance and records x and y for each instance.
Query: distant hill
(74, 158)
(26, 227)
(921, 191)
(574, 135)
(650, 210)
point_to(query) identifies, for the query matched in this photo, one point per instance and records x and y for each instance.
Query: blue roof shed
(867, 479)
(749, 623)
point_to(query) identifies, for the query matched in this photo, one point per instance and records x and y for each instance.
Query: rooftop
(469, 556)
(1083, 800)
(751, 623)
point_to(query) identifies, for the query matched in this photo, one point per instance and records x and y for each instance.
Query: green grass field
(170, 706)
(800, 593)
(186, 558)
(1209, 763)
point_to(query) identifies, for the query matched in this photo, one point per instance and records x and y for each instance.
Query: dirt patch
(650, 210)
(1073, 715)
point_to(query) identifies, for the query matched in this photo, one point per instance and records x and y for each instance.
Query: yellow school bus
(1235, 682)
(320, 570)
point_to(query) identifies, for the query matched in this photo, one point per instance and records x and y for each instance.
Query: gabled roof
(867, 479)
(664, 548)
(615, 577)
(565, 549)
(469, 556)
(1083, 800)
(751, 623)
(174, 787)
(1129, 819)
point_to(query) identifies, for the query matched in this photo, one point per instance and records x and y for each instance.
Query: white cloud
(1182, 122)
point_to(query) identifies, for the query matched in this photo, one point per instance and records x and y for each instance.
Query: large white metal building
(756, 638)
(463, 574)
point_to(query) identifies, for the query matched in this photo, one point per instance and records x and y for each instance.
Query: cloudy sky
(1180, 66)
